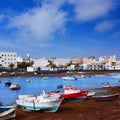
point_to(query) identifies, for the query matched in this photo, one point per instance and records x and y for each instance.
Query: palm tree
(11, 65)
(77, 66)
(70, 63)
(38, 69)
(22, 65)
(51, 65)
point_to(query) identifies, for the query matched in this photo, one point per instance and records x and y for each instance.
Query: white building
(30, 69)
(107, 58)
(6, 58)
(42, 63)
(61, 61)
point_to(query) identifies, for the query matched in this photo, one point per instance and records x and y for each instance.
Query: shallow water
(35, 85)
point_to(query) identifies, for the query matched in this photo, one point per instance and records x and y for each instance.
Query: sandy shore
(76, 110)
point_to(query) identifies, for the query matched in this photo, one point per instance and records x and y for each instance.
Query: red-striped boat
(106, 97)
(71, 92)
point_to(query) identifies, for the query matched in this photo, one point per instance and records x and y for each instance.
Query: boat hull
(7, 107)
(106, 97)
(15, 86)
(7, 112)
(48, 106)
(79, 95)
(69, 78)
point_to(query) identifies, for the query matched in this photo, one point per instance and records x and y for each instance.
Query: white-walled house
(71, 67)
(61, 61)
(84, 66)
(42, 63)
(107, 58)
(7, 58)
(113, 65)
(30, 69)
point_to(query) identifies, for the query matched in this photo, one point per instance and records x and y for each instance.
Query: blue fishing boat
(7, 112)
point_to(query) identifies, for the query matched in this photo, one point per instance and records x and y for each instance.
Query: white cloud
(87, 10)
(39, 23)
(104, 26)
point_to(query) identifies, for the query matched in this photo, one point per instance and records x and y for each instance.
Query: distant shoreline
(57, 73)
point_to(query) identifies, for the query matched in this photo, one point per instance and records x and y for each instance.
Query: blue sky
(60, 28)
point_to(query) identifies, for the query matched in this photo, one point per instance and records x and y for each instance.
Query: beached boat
(7, 112)
(6, 107)
(106, 97)
(15, 86)
(69, 78)
(43, 101)
(71, 92)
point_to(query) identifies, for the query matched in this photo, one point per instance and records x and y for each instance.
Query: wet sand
(78, 110)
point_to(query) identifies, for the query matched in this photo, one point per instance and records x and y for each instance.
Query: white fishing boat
(15, 86)
(116, 76)
(43, 101)
(44, 78)
(69, 78)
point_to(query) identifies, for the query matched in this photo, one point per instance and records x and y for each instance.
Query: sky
(60, 28)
